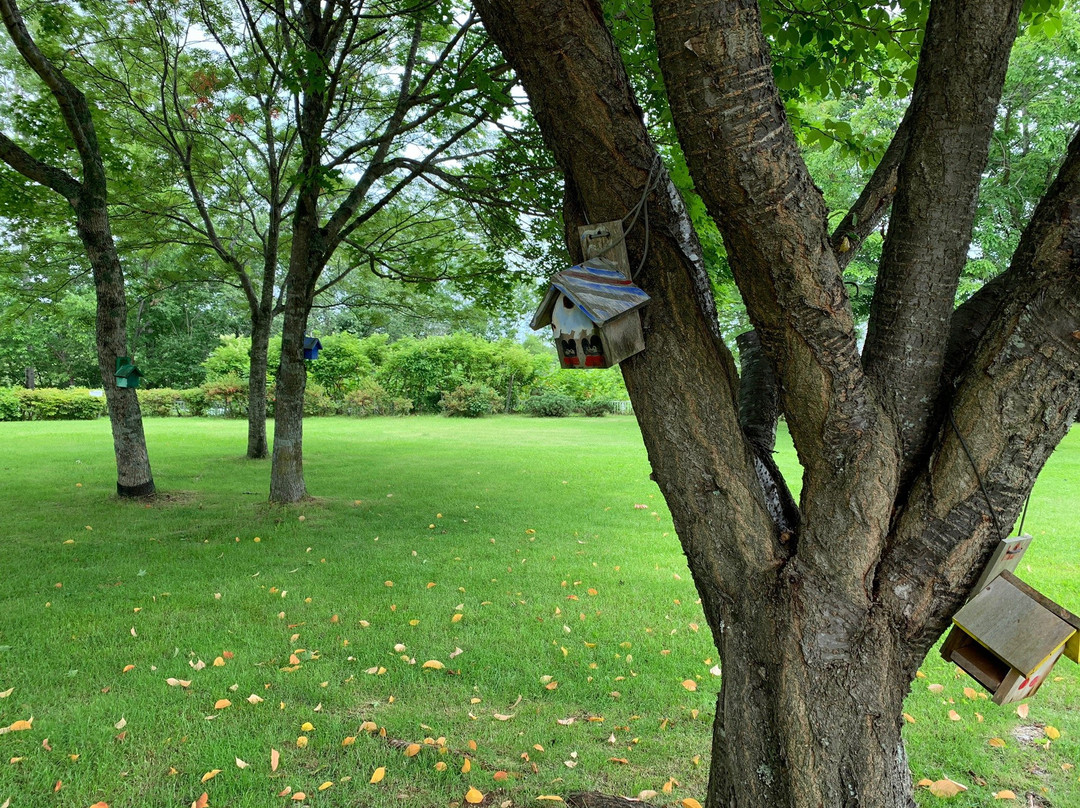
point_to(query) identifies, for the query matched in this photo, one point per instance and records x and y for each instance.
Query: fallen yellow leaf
(210, 775)
(997, 743)
(378, 775)
(298, 796)
(21, 725)
(909, 718)
(307, 726)
(474, 796)
(466, 767)
(1052, 733)
(456, 618)
(240, 764)
(349, 741)
(1004, 794)
(954, 716)
(434, 664)
(1022, 710)
(440, 766)
(935, 688)
(412, 750)
(689, 684)
(301, 742)
(946, 788)
(326, 785)
(202, 802)
(275, 758)
(690, 802)
(221, 704)
(550, 797)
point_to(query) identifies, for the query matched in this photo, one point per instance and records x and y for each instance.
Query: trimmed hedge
(50, 404)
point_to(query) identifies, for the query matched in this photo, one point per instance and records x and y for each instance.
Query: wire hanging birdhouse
(1009, 637)
(592, 307)
(312, 346)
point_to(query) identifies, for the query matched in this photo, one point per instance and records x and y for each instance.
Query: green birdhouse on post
(127, 375)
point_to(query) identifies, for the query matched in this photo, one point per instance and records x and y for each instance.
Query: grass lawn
(566, 649)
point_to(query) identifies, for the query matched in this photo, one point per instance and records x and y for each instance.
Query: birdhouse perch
(592, 307)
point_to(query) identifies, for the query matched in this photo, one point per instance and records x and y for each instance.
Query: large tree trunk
(820, 613)
(133, 476)
(287, 471)
(257, 446)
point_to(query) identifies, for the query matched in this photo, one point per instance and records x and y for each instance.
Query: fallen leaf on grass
(1004, 794)
(466, 767)
(690, 802)
(378, 775)
(253, 699)
(440, 766)
(412, 750)
(550, 797)
(298, 796)
(349, 741)
(499, 776)
(909, 718)
(240, 764)
(210, 775)
(202, 802)
(502, 717)
(1022, 710)
(95, 805)
(121, 723)
(689, 684)
(1052, 733)
(935, 688)
(474, 796)
(434, 664)
(946, 788)
(969, 693)
(275, 758)
(6, 693)
(997, 743)
(301, 742)
(171, 682)
(128, 668)
(221, 704)
(954, 716)
(326, 785)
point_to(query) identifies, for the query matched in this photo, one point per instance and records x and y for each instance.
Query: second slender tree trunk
(257, 447)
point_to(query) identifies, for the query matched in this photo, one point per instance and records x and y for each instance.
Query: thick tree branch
(30, 167)
(746, 165)
(954, 104)
(684, 383)
(1016, 398)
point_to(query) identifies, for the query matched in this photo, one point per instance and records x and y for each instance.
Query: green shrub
(317, 401)
(196, 402)
(229, 393)
(470, 401)
(160, 402)
(9, 405)
(342, 365)
(52, 404)
(594, 408)
(371, 398)
(549, 404)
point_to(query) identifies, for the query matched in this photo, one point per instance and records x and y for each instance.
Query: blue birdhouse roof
(312, 343)
(600, 292)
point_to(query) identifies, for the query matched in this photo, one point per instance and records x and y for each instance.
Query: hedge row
(50, 404)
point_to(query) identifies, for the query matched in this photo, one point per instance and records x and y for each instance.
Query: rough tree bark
(89, 200)
(820, 616)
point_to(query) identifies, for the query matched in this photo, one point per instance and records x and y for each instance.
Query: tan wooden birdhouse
(1008, 638)
(592, 307)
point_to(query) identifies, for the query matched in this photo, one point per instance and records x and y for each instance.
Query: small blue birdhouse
(127, 375)
(312, 346)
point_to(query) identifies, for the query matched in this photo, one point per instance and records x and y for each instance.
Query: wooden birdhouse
(1008, 638)
(312, 346)
(592, 307)
(127, 375)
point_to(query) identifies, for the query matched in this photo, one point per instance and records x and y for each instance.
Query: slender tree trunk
(133, 476)
(287, 471)
(257, 447)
